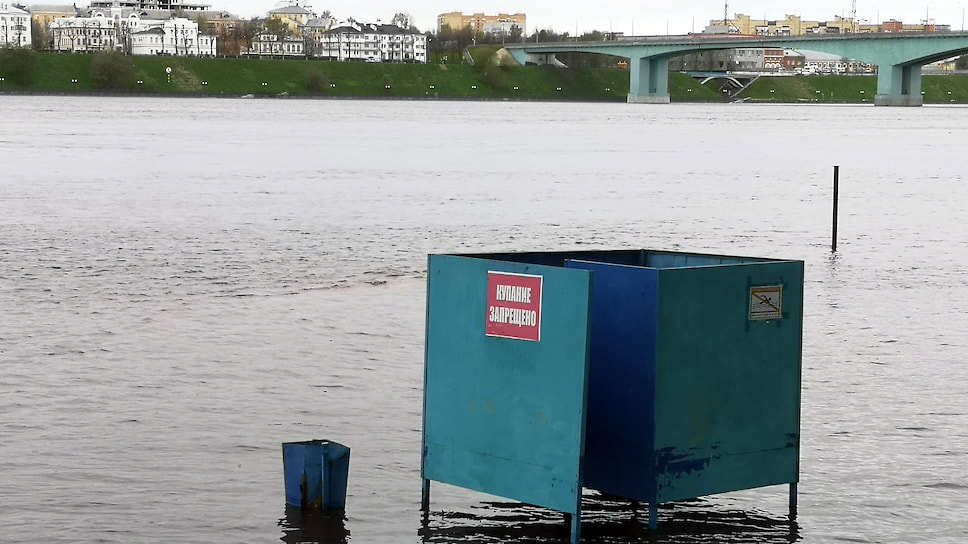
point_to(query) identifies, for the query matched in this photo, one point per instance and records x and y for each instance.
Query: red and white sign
(513, 306)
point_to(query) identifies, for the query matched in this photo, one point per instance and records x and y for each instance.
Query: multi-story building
(773, 59)
(148, 6)
(346, 42)
(893, 26)
(747, 59)
(114, 30)
(313, 32)
(100, 32)
(230, 31)
(268, 44)
(177, 36)
(500, 27)
(294, 17)
(826, 63)
(793, 60)
(484, 24)
(302, 42)
(924, 26)
(751, 59)
(42, 15)
(794, 25)
(14, 26)
(374, 43)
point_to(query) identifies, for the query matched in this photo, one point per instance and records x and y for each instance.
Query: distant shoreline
(193, 77)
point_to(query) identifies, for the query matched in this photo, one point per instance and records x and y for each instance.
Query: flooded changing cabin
(652, 375)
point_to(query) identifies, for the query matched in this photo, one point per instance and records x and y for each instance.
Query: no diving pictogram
(766, 302)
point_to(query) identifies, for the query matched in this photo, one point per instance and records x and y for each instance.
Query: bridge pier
(899, 85)
(649, 80)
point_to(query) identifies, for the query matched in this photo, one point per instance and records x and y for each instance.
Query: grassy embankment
(262, 77)
(938, 89)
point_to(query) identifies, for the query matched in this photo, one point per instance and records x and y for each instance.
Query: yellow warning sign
(766, 302)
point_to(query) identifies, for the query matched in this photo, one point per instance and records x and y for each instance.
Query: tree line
(448, 44)
(236, 37)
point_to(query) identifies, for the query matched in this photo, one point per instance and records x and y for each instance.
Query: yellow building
(43, 15)
(483, 24)
(793, 25)
(230, 30)
(295, 17)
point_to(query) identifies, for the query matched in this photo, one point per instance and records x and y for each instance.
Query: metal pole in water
(833, 243)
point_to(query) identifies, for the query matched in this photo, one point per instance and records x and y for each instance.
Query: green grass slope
(315, 78)
(850, 89)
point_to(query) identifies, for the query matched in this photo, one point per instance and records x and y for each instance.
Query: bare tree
(279, 30)
(40, 35)
(402, 20)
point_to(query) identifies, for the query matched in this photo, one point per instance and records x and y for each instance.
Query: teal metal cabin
(657, 376)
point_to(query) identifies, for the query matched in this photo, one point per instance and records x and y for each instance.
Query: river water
(186, 284)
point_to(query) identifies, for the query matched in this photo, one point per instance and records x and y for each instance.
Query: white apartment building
(100, 32)
(266, 44)
(177, 36)
(14, 26)
(826, 63)
(150, 5)
(372, 43)
(110, 30)
(347, 42)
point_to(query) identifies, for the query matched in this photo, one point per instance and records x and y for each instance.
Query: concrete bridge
(898, 56)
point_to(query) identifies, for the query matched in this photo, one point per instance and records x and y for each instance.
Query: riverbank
(235, 77)
(937, 89)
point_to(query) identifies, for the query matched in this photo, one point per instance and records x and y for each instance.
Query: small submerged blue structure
(652, 375)
(316, 474)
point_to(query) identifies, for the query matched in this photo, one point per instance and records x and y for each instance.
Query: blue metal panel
(336, 470)
(620, 426)
(505, 416)
(303, 478)
(685, 260)
(316, 473)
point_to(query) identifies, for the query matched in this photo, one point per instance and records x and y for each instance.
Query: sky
(639, 17)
